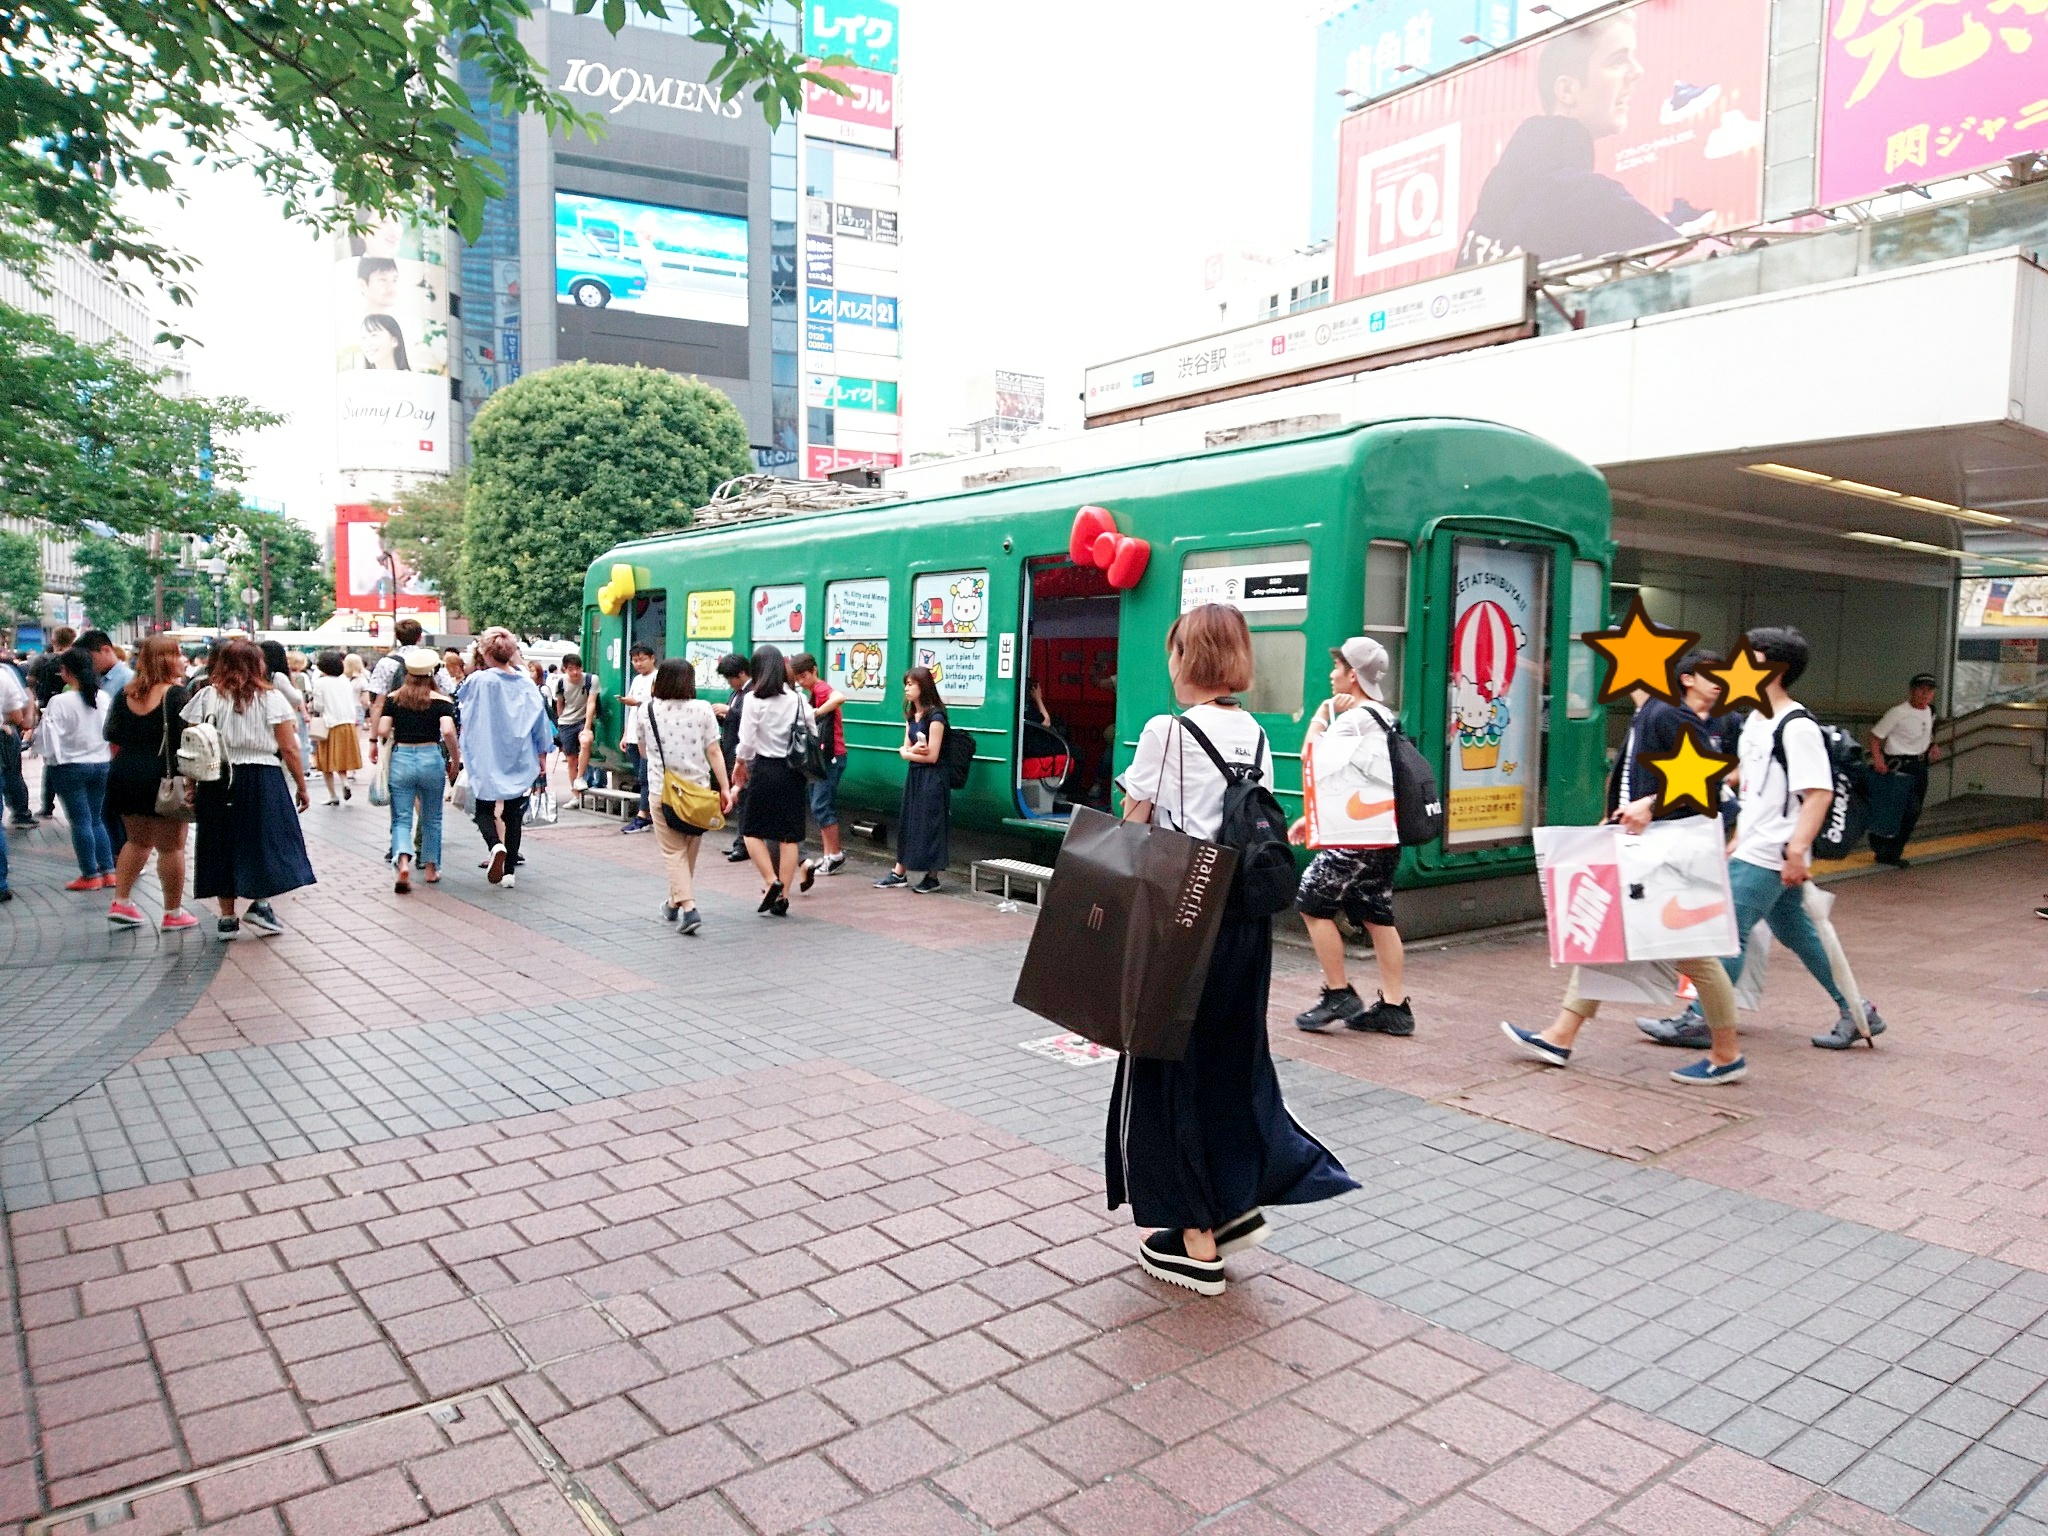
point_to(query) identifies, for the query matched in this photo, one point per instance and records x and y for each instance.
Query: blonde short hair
(1215, 648)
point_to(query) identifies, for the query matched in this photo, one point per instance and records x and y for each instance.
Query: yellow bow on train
(617, 592)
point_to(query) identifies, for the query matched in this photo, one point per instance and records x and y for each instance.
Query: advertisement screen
(647, 260)
(1638, 128)
(1912, 94)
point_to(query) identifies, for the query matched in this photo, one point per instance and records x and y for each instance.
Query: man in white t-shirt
(1356, 882)
(17, 715)
(638, 690)
(1788, 786)
(1903, 743)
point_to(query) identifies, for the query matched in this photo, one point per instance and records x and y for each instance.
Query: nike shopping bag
(1121, 950)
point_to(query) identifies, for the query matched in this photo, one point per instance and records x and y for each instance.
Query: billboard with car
(611, 253)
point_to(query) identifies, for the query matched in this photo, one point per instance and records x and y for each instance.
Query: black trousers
(513, 813)
(1891, 848)
(11, 780)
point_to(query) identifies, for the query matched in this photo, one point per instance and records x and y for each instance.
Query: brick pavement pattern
(832, 1252)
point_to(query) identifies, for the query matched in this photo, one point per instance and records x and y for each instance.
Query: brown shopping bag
(1121, 950)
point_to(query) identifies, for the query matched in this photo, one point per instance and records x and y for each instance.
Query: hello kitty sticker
(949, 605)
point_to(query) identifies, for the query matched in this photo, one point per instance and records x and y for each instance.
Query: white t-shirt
(1905, 731)
(1175, 774)
(685, 728)
(73, 733)
(1365, 721)
(641, 688)
(12, 695)
(250, 734)
(1770, 810)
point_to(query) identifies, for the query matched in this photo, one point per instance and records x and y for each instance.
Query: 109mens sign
(624, 85)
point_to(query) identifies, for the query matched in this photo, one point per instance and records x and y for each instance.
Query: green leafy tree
(86, 436)
(342, 108)
(301, 584)
(425, 530)
(118, 581)
(21, 576)
(566, 463)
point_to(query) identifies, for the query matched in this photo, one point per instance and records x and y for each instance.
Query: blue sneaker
(1535, 1046)
(1704, 1074)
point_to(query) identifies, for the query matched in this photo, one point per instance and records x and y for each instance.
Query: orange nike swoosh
(1676, 916)
(1362, 809)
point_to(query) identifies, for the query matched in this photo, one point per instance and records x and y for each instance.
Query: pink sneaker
(179, 919)
(125, 914)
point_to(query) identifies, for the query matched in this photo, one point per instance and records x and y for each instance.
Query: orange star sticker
(1641, 654)
(1744, 680)
(1691, 776)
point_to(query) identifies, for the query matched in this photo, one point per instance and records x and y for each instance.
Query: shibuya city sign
(622, 85)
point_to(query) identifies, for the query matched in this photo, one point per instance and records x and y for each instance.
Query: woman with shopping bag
(1197, 1146)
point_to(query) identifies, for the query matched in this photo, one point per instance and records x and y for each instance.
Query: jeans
(1760, 896)
(640, 772)
(83, 789)
(514, 816)
(824, 795)
(12, 783)
(417, 772)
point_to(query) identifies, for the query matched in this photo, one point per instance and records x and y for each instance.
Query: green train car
(1476, 553)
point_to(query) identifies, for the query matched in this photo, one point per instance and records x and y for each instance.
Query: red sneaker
(125, 914)
(83, 883)
(173, 921)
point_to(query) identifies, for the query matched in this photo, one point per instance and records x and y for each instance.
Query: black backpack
(1256, 827)
(956, 751)
(1418, 808)
(1849, 816)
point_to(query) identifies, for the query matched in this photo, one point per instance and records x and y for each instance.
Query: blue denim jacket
(504, 733)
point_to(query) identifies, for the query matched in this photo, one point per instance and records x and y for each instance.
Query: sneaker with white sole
(178, 921)
(262, 919)
(125, 914)
(496, 868)
(1164, 1256)
(508, 882)
(1535, 1047)
(834, 862)
(1705, 1074)
(1241, 1232)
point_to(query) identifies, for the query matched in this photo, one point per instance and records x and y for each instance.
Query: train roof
(1302, 444)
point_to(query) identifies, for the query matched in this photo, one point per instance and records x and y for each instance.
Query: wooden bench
(609, 802)
(1040, 875)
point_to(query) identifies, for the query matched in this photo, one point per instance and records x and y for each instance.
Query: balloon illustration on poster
(1484, 652)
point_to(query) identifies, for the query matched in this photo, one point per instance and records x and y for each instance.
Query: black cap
(1924, 680)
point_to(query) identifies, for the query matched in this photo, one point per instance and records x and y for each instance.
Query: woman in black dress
(776, 792)
(144, 728)
(926, 816)
(1198, 1145)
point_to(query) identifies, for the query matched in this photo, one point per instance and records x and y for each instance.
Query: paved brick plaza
(500, 1211)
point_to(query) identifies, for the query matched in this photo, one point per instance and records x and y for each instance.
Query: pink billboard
(1914, 93)
(871, 104)
(1640, 127)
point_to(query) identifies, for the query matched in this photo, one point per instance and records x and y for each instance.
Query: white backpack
(202, 752)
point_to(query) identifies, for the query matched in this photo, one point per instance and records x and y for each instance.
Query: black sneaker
(1536, 1047)
(1845, 1033)
(668, 912)
(890, 881)
(2041, 912)
(227, 928)
(929, 885)
(736, 856)
(262, 919)
(1164, 1255)
(1242, 1232)
(1687, 1030)
(692, 921)
(1385, 1018)
(1340, 1005)
(21, 825)
(834, 862)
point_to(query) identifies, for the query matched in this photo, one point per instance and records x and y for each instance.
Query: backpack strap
(1778, 747)
(1258, 768)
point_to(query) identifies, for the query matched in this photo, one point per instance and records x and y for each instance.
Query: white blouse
(1172, 771)
(766, 724)
(250, 734)
(685, 728)
(73, 731)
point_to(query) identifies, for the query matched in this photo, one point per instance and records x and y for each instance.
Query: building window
(818, 170)
(821, 426)
(1309, 295)
(1270, 310)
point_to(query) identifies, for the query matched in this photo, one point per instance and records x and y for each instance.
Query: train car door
(1066, 725)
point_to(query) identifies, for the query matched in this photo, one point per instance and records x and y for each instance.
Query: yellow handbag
(689, 807)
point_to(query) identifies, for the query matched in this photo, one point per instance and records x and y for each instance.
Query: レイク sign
(863, 30)
(624, 85)
(1912, 94)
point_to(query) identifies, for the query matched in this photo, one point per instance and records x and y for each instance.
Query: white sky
(1068, 165)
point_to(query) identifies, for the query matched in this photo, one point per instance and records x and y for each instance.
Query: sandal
(433, 873)
(403, 883)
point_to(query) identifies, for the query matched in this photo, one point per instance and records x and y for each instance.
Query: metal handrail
(1994, 725)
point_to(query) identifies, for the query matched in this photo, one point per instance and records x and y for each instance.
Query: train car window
(1279, 666)
(1267, 583)
(949, 632)
(777, 618)
(1386, 607)
(1588, 580)
(857, 637)
(709, 619)
(647, 623)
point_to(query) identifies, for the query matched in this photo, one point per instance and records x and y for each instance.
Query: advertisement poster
(861, 30)
(779, 617)
(1637, 128)
(857, 610)
(820, 462)
(709, 615)
(1496, 683)
(858, 668)
(818, 264)
(960, 667)
(866, 115)
(1916, 93)
(391, 303)
(818, 311)
(2004, 602)
(949, 603)
(391, 421)
(1247, 588)
(678, 263)
(364, 570)
(704, 657)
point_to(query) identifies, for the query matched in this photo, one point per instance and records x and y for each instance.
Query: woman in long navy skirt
(249, 843)
(1198, 1146)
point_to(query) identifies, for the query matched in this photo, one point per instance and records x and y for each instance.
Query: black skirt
(249, 842)
(925, 819)
(1200, 1141)
(775, 802)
